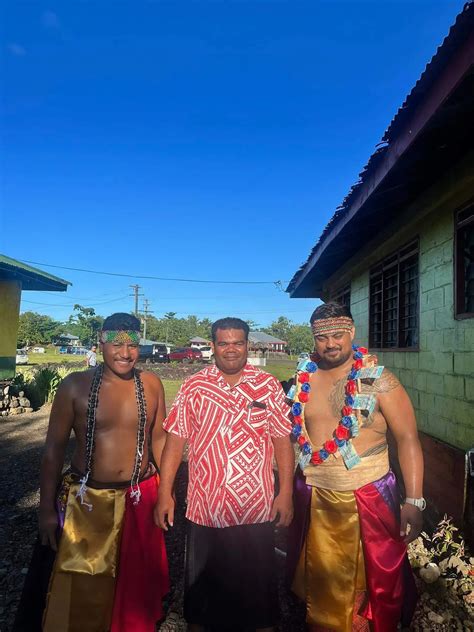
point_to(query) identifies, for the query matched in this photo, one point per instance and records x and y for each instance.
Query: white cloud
(50, 20)
(16, 49)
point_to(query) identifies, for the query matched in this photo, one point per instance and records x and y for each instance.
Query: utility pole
(136, 294)
(146, 311)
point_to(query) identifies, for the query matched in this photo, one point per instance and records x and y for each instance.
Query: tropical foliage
(85, 324)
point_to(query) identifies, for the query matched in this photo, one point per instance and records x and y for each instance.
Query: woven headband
(121, 337)
(331, 325)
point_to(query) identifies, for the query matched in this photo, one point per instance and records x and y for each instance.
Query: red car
(185, 354)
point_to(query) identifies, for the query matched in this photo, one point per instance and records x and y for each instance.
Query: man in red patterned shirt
(235, 418)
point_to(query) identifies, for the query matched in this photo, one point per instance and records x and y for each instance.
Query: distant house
(67, 340)
(400, 252)
(198, 342)
(146, 342)
(259, 341)
(15, 278)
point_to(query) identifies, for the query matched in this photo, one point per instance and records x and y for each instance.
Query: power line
(252, 297)
(277, 284)
(82, 298)
(281, 311)
(112, 300)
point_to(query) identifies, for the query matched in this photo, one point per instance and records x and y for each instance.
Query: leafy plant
(445, 550)
(40, 385)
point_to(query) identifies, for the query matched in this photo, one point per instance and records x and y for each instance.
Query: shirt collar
(249, 374)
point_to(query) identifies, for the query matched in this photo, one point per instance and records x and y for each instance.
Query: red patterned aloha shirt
(230, 431)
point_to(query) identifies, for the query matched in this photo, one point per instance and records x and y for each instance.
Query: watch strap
(418, 502)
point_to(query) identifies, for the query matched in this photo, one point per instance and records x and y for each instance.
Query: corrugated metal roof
(260, 336)
(31, 278)
(458, 32)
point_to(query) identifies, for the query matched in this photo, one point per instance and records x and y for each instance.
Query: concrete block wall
(439, 377)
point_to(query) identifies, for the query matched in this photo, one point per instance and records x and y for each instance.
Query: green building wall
(10, 296)
(439, 377)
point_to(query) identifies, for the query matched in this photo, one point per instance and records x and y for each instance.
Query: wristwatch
(418, 502)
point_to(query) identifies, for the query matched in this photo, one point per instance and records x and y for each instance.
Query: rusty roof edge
(377, 163)
(462, 21)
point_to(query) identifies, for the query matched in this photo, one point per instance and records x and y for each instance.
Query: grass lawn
(51, 357)
(282, 370)
(171, 388)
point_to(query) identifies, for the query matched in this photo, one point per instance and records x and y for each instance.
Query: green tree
(36, 328)
(177, 331)
(85, 324)
(280, 328)
(253, 325)
(300, 339)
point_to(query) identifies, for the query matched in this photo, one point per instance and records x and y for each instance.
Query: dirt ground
(21, 440)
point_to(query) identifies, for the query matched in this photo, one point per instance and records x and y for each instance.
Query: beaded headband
(326, 326)
(121, 337)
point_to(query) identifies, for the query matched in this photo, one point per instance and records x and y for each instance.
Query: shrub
(446, 570)
(40, 385)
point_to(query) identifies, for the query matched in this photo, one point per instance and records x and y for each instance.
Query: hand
(282, 506)
(410, 515)
(163, 513)
(48, 525)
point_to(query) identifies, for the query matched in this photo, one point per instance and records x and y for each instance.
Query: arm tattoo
(386, 383)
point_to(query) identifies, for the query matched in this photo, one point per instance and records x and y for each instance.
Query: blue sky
(205, 140)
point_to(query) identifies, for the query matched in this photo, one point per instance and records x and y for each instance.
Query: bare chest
(324, 407)
(117, 410)
(326, 398)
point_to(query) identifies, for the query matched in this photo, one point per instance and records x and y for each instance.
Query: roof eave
(449, 77)
(31, 278)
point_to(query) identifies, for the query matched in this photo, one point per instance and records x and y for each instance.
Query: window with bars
(393, 304)
(464, 262)
(343, 296)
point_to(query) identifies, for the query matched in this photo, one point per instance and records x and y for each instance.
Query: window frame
(340, 293)
(395, 258)
(458, 276)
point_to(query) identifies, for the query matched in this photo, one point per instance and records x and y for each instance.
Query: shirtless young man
(110, 570)
(349, 535)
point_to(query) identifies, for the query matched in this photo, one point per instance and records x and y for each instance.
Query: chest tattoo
(337, 395)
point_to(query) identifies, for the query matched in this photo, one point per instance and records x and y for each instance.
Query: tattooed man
(348, 539)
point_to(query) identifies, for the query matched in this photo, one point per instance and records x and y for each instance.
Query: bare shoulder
(77, 381)
(151, 380)
(74, 389)
(386, 383)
